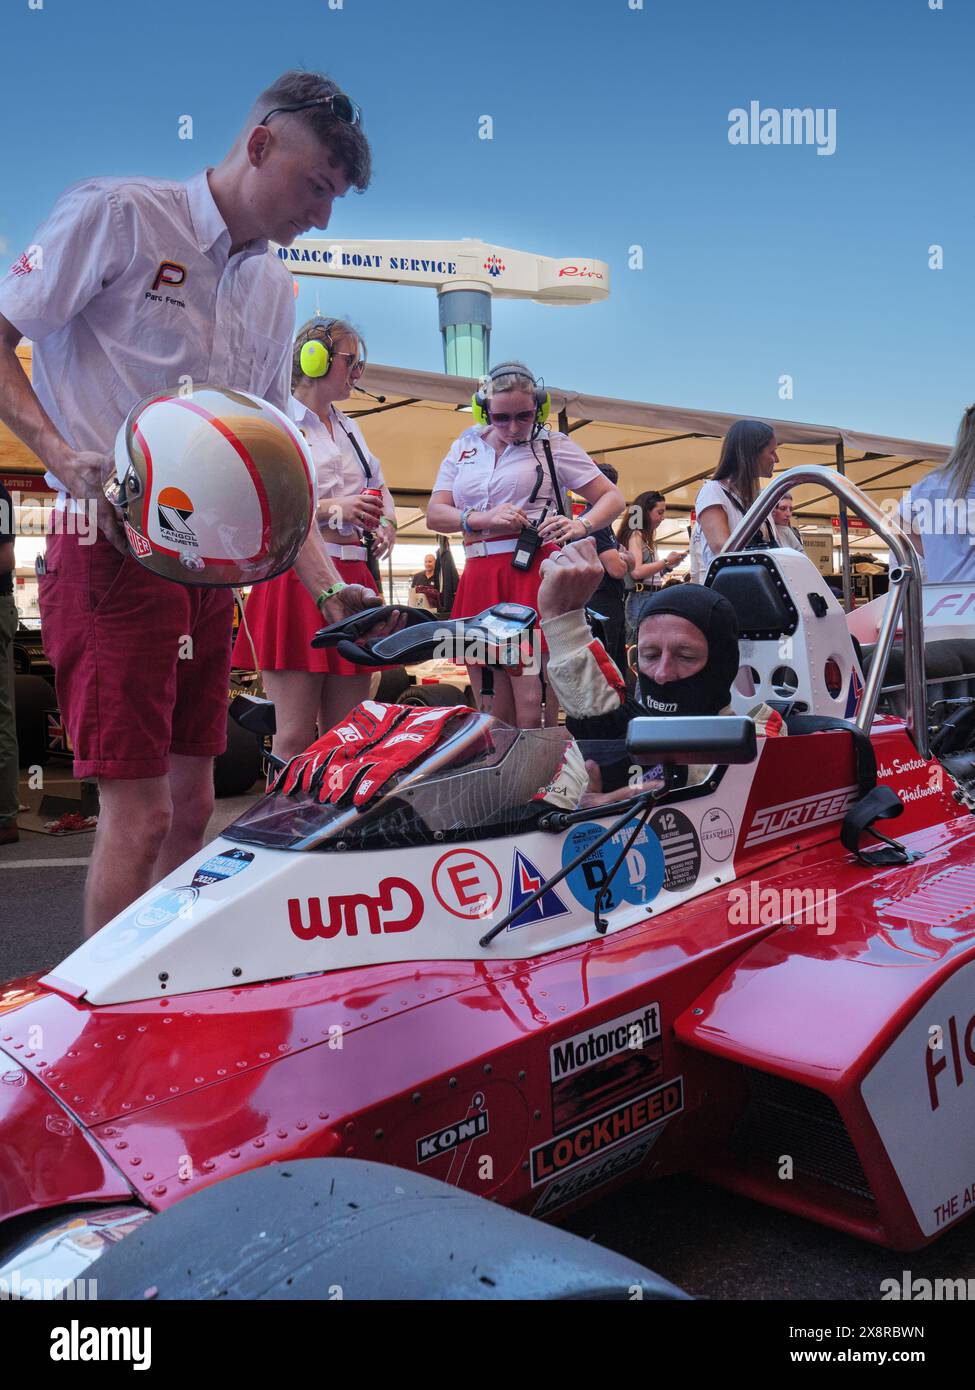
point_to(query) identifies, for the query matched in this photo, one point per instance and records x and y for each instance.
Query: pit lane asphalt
(711, 1243)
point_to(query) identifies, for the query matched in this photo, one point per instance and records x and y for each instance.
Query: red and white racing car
(467, 976)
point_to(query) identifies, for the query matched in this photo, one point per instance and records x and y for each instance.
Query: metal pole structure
(389, 576)
(844, 533)
(465, 323)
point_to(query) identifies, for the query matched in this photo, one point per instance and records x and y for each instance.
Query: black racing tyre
(237, 769)
(343, 1228)
(392, 682)
(33, 698)
(433, 695)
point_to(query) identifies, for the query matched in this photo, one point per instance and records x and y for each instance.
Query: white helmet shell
(216, 486)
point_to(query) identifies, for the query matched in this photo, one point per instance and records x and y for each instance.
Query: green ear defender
(479, 401)
(315, 358)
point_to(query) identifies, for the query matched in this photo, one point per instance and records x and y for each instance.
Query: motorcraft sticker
(130, 931)
(637, 880)
(223, 865)
(718, 834)
(561, 1191)
(571, 1150)
(598, 1068)
(525, 880)
(681, 848)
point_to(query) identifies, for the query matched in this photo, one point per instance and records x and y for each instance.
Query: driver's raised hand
(356, 598)
(569, 579)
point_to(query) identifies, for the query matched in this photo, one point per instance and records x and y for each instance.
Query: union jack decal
(58, 740)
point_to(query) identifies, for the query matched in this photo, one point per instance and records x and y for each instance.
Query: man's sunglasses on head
(343, 108)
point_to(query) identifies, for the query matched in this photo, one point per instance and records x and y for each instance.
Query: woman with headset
(309, 686)
(503, 486)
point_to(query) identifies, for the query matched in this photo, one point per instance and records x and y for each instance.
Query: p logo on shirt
(169, 273)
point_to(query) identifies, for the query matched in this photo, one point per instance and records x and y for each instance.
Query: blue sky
(610, 129)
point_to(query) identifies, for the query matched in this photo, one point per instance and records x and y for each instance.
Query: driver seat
(793, 634)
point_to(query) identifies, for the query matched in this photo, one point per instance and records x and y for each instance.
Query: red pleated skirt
(283, 619)
(491, 579)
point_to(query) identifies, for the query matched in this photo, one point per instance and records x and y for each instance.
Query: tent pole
(844, 533)
(389, 575)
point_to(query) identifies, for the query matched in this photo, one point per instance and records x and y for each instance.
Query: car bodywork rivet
(349, 1126)
(235, 1153)
(697, 1011)
(538, 1115)
(237, 970)
(378, 1135)
(488, 1069)
(452, 1082)
(160, 1190)
(521, 1075)
(148, 1177)
(301, 1124)
(282, 1134)
(416, 1097)
(164, 975)
(122, 1144)
(208, 1165)
(524, 1166)
(258, 1143)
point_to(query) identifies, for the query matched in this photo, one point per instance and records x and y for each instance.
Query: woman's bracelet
(330, 592)
(465, 519)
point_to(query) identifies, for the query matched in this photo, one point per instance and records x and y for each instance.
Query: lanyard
(539, 474)
(355, 444)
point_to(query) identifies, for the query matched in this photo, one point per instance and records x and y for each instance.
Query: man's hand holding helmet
(84, 474)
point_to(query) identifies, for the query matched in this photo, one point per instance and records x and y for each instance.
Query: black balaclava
(710, 690)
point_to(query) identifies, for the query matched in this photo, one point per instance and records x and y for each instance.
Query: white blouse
(338, 468)
(477, 476)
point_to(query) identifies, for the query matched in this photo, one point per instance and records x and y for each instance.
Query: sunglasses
(356, 364)
(523, 417)
(343, 108)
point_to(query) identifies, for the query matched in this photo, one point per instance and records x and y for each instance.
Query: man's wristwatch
(330, 592)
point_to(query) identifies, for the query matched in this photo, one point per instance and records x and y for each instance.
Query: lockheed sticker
(581, 1144)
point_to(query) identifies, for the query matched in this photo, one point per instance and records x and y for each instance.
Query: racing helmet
(216, 487)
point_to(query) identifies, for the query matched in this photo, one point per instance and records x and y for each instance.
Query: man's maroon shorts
(141, 664)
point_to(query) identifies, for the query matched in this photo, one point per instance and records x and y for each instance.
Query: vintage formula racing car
(445, 963)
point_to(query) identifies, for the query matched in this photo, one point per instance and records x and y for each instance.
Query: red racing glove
(357, 732)
(414, 735)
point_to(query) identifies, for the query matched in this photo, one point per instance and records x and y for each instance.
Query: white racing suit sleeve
(580, 671)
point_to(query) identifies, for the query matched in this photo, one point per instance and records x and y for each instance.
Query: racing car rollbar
(903, 595)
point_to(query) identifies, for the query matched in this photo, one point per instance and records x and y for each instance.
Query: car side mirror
(253, 714)
(709, 739)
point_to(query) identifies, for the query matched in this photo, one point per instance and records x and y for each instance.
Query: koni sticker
(577, 1146)
(598, 1068)
(681, 848)
(638, 879)
(456, 1140)
(561, 1191)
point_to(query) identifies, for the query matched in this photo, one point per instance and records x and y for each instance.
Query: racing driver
(687, 646)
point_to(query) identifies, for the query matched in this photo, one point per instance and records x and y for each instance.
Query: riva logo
(383, 913)
(771, 822)
(937, 1056)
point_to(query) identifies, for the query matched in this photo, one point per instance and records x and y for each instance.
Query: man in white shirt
(131, 286)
